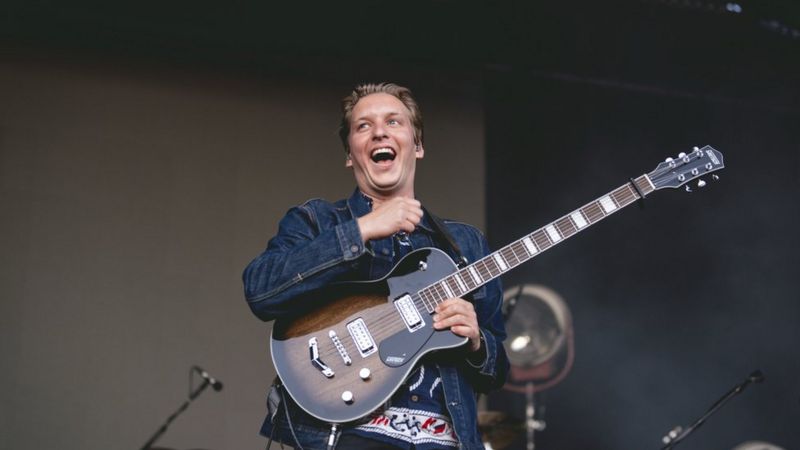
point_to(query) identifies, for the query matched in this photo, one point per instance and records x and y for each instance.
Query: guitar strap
(440, 228)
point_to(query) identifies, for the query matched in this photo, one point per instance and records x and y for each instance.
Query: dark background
(673, 304)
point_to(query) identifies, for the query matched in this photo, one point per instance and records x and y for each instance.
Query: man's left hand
(459, 315)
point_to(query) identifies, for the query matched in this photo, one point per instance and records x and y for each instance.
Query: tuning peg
(701, 183)
(668, 160)
(688, 189)
(681, 154)
(715, 177)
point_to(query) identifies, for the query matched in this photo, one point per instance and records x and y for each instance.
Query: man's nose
(378, 132)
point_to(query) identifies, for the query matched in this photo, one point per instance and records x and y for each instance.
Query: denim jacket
(319, 243)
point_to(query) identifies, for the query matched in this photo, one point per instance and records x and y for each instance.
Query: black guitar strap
(441, 229)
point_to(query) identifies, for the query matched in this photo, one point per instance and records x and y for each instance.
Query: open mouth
(382, 154)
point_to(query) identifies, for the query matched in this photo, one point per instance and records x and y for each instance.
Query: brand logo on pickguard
(394, 360)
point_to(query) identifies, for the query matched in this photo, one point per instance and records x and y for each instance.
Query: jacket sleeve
(488, 367)
(302, 257)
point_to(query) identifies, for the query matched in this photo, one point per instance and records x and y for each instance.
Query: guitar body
(303, 347)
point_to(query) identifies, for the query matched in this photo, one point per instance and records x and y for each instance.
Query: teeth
(380, 151)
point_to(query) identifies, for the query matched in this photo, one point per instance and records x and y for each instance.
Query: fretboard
(475, 275)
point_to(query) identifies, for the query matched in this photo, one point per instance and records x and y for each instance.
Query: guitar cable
(297, 446)
(288, 419)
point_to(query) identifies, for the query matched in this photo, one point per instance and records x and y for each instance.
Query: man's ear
(420, 151)
(347, 161)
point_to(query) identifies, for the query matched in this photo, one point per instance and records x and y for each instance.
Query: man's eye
(393, 121)
(361, 126)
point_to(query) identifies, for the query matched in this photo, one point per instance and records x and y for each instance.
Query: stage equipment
(540, 345)
(498, 429)
(678, 434)
(208, 380)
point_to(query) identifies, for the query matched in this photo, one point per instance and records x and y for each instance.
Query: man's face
(382, 150)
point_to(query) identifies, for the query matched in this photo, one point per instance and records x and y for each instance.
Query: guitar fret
(622, 196)
(529, 245)
(492, 268)
(500, 262)
(483, 270)
(461, 284)
(552, 233)
(649, 184)
(440, 288)
(578, 219)
(451, 283)
(437, 294)
(608, 204)
(510, 256)
(541, 240)
(593, 212)
(447, 289)
(475, 277)
(630, 194)
(566, 224)
(516, 249)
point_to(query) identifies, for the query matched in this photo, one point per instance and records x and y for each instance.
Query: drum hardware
(540, 349)
(498, 429)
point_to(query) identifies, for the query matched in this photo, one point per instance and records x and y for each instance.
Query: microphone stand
(678, 434)
(163, 428)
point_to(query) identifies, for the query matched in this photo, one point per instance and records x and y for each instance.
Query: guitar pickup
(313, 350)
(362, 337)
(409, 312)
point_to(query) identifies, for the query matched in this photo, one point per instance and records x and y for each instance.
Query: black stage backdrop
(675, 303)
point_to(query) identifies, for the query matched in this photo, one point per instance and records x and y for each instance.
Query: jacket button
(385, 251)
(354, 248)
(415, 398)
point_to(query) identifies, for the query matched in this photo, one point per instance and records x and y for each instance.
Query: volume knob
(347, 397)
(364, 374)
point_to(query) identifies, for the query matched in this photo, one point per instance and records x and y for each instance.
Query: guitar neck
(512, 255)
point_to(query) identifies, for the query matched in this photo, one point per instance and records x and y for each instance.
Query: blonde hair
(402, 93)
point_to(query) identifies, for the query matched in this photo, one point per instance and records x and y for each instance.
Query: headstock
(676, 172)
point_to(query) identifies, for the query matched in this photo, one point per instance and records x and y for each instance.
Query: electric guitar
(347, 357)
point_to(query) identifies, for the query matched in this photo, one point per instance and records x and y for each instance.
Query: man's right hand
(390, 217)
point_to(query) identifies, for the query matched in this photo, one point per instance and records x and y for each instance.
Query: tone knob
(347, 397)
(364, 374)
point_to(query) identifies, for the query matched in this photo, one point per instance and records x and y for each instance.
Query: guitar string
(593, 212)
(623, 196)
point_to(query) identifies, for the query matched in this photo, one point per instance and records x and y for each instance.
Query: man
(362, 238)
